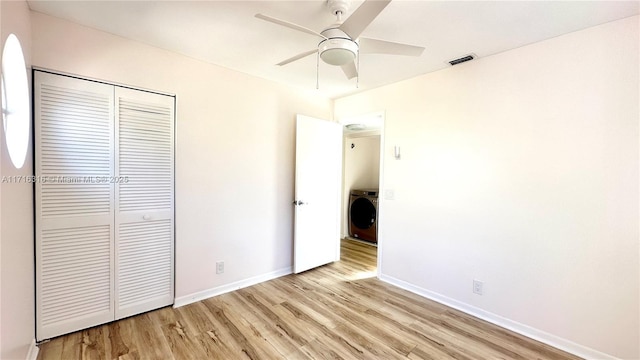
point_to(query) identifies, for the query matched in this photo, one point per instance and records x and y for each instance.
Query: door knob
(299, 202)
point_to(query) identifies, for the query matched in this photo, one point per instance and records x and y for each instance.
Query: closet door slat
(144, 201)
(74, 144)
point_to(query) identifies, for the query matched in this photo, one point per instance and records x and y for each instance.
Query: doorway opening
(361, 184)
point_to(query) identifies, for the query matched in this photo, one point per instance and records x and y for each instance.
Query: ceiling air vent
(462, 59)
(355, 127)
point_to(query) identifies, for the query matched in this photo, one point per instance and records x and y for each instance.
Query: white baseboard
(32, 354)
(219, 290)
(528, 331)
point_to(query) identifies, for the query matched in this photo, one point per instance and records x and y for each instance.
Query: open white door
(317, 193)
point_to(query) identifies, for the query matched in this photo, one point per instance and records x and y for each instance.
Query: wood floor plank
(231, 334)
(337, 311)
(372, 347)
(51, 350)
(181, 345)
(330, 335)
(93, 344)
(196, 321)
(278, 339)
(515, 342)
(150, 339)
(343, 307)
(319, 350)
(72, 346)
(431, 352)
(435, 338)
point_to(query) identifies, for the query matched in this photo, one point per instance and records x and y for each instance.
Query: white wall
(361, 169)
(234, 152)
(16, 219)
(521, 170)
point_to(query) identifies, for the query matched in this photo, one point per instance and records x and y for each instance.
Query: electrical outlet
(219, 267)
(477, 287)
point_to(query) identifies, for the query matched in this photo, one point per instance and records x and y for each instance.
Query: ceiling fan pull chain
(318, 71)
(358, 69)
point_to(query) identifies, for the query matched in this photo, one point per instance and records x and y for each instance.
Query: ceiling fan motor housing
(338, 6)
(338, 49)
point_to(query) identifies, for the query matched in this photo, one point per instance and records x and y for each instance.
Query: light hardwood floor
(338, 311)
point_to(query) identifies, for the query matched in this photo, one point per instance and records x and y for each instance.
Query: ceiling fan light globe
(338, 52)
(337, 57)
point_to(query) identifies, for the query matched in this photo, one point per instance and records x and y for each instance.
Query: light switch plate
(389, 194)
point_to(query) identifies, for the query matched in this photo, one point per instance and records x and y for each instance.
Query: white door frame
(381, 202)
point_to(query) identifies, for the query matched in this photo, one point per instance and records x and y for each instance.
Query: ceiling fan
(341, 43)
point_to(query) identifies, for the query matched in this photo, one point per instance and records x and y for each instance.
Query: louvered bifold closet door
(144, 201)
(74, 143)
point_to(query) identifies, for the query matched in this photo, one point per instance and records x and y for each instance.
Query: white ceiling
(226, 33)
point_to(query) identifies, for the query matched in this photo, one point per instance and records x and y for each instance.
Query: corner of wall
(219, 290)
(528, 331)
(33, 351)
(17, 335)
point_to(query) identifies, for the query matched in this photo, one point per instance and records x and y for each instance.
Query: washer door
(363, 213)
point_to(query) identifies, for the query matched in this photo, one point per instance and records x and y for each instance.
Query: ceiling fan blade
(374, 46)
(362, 17)
(297, 57)
(350, 70)
(289, 25)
